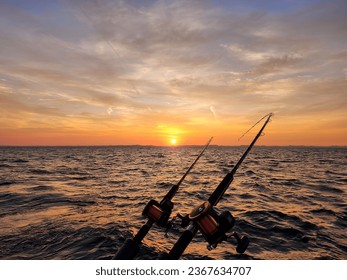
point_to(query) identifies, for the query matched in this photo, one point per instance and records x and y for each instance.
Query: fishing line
(270, 114)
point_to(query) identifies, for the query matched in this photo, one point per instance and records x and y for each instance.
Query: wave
(323, 211)
(330, 189)
(40, 172)
(7, 183)
(62, 243)
(41, 188)
(20, 161)
(289, 201)
(15, 203)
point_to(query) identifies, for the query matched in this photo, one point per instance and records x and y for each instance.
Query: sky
(112, 72)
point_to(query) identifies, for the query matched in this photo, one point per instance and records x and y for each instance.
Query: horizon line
(170, 146)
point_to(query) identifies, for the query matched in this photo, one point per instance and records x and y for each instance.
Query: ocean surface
(83, 202)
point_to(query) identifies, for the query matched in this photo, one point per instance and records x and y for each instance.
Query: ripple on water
(82, 202)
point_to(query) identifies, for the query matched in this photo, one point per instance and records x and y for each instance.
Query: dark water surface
(82, 202)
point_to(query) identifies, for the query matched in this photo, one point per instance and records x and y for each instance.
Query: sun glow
(173, 141)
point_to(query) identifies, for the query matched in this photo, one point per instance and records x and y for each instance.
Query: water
(82, 202)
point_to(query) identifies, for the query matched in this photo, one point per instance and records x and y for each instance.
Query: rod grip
(182, 243)
(128, 251)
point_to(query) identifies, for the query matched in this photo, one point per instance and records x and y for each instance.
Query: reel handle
(242, 242)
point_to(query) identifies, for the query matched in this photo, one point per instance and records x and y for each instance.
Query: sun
(173, 141)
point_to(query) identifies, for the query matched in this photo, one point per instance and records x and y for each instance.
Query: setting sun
(173, 141)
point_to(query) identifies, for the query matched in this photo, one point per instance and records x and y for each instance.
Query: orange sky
(121, 72)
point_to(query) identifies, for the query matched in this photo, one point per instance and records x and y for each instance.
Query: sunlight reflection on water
(291, 201)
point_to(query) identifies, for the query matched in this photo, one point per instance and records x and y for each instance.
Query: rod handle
(182, 243)
(128, 251)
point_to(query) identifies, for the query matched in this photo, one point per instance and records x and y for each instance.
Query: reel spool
(214, 226)
(157, 212)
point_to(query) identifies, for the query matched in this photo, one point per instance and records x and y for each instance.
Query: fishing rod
(157, 213)
(208, 221)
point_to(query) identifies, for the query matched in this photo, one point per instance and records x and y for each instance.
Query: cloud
(185, 60)
(213, 111)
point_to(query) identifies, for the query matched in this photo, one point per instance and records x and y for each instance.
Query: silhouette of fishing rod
(207, 220)
(157, 213)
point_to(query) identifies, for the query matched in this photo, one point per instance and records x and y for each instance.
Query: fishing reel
(214, 226)
(158, 213)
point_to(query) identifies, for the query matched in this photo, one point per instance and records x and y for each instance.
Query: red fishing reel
(214, 226)
(158, 212)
